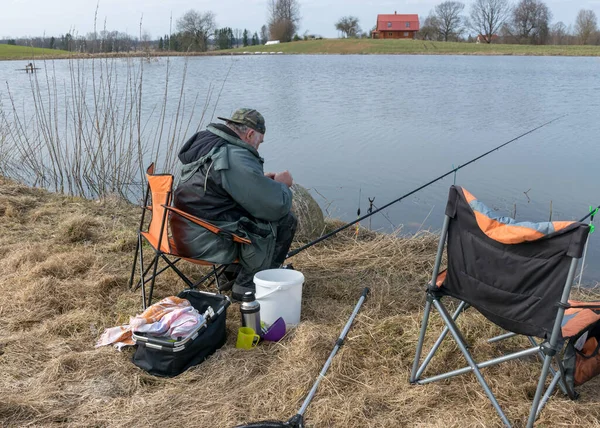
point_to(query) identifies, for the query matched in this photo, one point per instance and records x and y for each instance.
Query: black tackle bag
(169, 358)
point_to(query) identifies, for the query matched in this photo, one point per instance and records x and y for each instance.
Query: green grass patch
(416, 47)
(26, 52)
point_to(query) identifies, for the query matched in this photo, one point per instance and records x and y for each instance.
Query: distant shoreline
(328, 47)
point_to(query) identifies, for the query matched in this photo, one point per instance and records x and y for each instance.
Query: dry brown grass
(64, 268)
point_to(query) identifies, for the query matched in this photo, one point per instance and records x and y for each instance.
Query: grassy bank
(330, 47)
(413, 47)
(9, 52)
(27, 53)
(64, 267)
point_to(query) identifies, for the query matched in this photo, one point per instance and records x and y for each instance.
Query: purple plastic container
(276, 331)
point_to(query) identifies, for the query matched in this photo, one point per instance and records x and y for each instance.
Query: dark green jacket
(222, 181)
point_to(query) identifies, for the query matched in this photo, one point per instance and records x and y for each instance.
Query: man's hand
(270, 175)
(284, 177)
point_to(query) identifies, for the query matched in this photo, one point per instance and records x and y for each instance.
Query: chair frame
(159, 254)
(548, 349)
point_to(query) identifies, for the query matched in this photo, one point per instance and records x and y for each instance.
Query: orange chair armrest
(586, 305)
(208, 226)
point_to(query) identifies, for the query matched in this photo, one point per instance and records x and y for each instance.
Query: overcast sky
(19, 18)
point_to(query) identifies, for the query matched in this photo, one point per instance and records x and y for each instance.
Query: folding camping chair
(160, 190)
(519, 276)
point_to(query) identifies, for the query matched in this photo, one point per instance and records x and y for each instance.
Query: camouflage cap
(248, 117)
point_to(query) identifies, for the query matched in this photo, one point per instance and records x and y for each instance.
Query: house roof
(394, 22)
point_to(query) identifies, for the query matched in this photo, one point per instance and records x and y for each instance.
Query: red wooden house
(484, 39)
(396, 26)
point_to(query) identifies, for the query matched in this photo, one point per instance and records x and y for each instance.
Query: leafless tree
(430, 28)
(531, 21)
(196, 27)
(106, 41)
(264, 34)
(284, 18)
(238, 34)
(506, 34)
(449, 21)
(487, 17)
(348, 25)
(146, 40)
(282, 30)
(586, 26)
(559, 33)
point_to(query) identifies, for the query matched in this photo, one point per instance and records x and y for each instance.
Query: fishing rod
(592, 213)
(339, 229)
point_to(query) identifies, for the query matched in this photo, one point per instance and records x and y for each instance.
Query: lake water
(380, 126)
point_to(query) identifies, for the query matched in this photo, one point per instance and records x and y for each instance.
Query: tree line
(198, 31)
(525, 22)
(195, 31)
(115, 41)
(101, 41)
(499, 21)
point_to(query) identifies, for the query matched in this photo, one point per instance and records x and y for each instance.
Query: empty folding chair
(159, 192)
(519, 276)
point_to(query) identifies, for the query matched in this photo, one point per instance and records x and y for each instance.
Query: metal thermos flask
(250, 310)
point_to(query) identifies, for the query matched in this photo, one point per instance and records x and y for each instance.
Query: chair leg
(494, 361)
(208, 275)
(561, 384)
(533, 414)
(214, 269)
(157, 273)
(554, 337)
(534, 343)
(142, 273)
(458, 338)
(177, 271)
(462, 307)
(146, 280)
(137, 249)
(502, 337)
(555, 381)
(436, 271)
(156, 258)
(171, 264)
(413, 374)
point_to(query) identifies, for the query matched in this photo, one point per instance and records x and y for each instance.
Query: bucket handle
(278, 288)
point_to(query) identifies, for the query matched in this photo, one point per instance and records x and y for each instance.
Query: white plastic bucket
(279, 292)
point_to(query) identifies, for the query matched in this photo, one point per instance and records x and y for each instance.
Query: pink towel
(171, 318)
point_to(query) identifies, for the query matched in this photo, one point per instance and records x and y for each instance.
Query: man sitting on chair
(223, 181)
